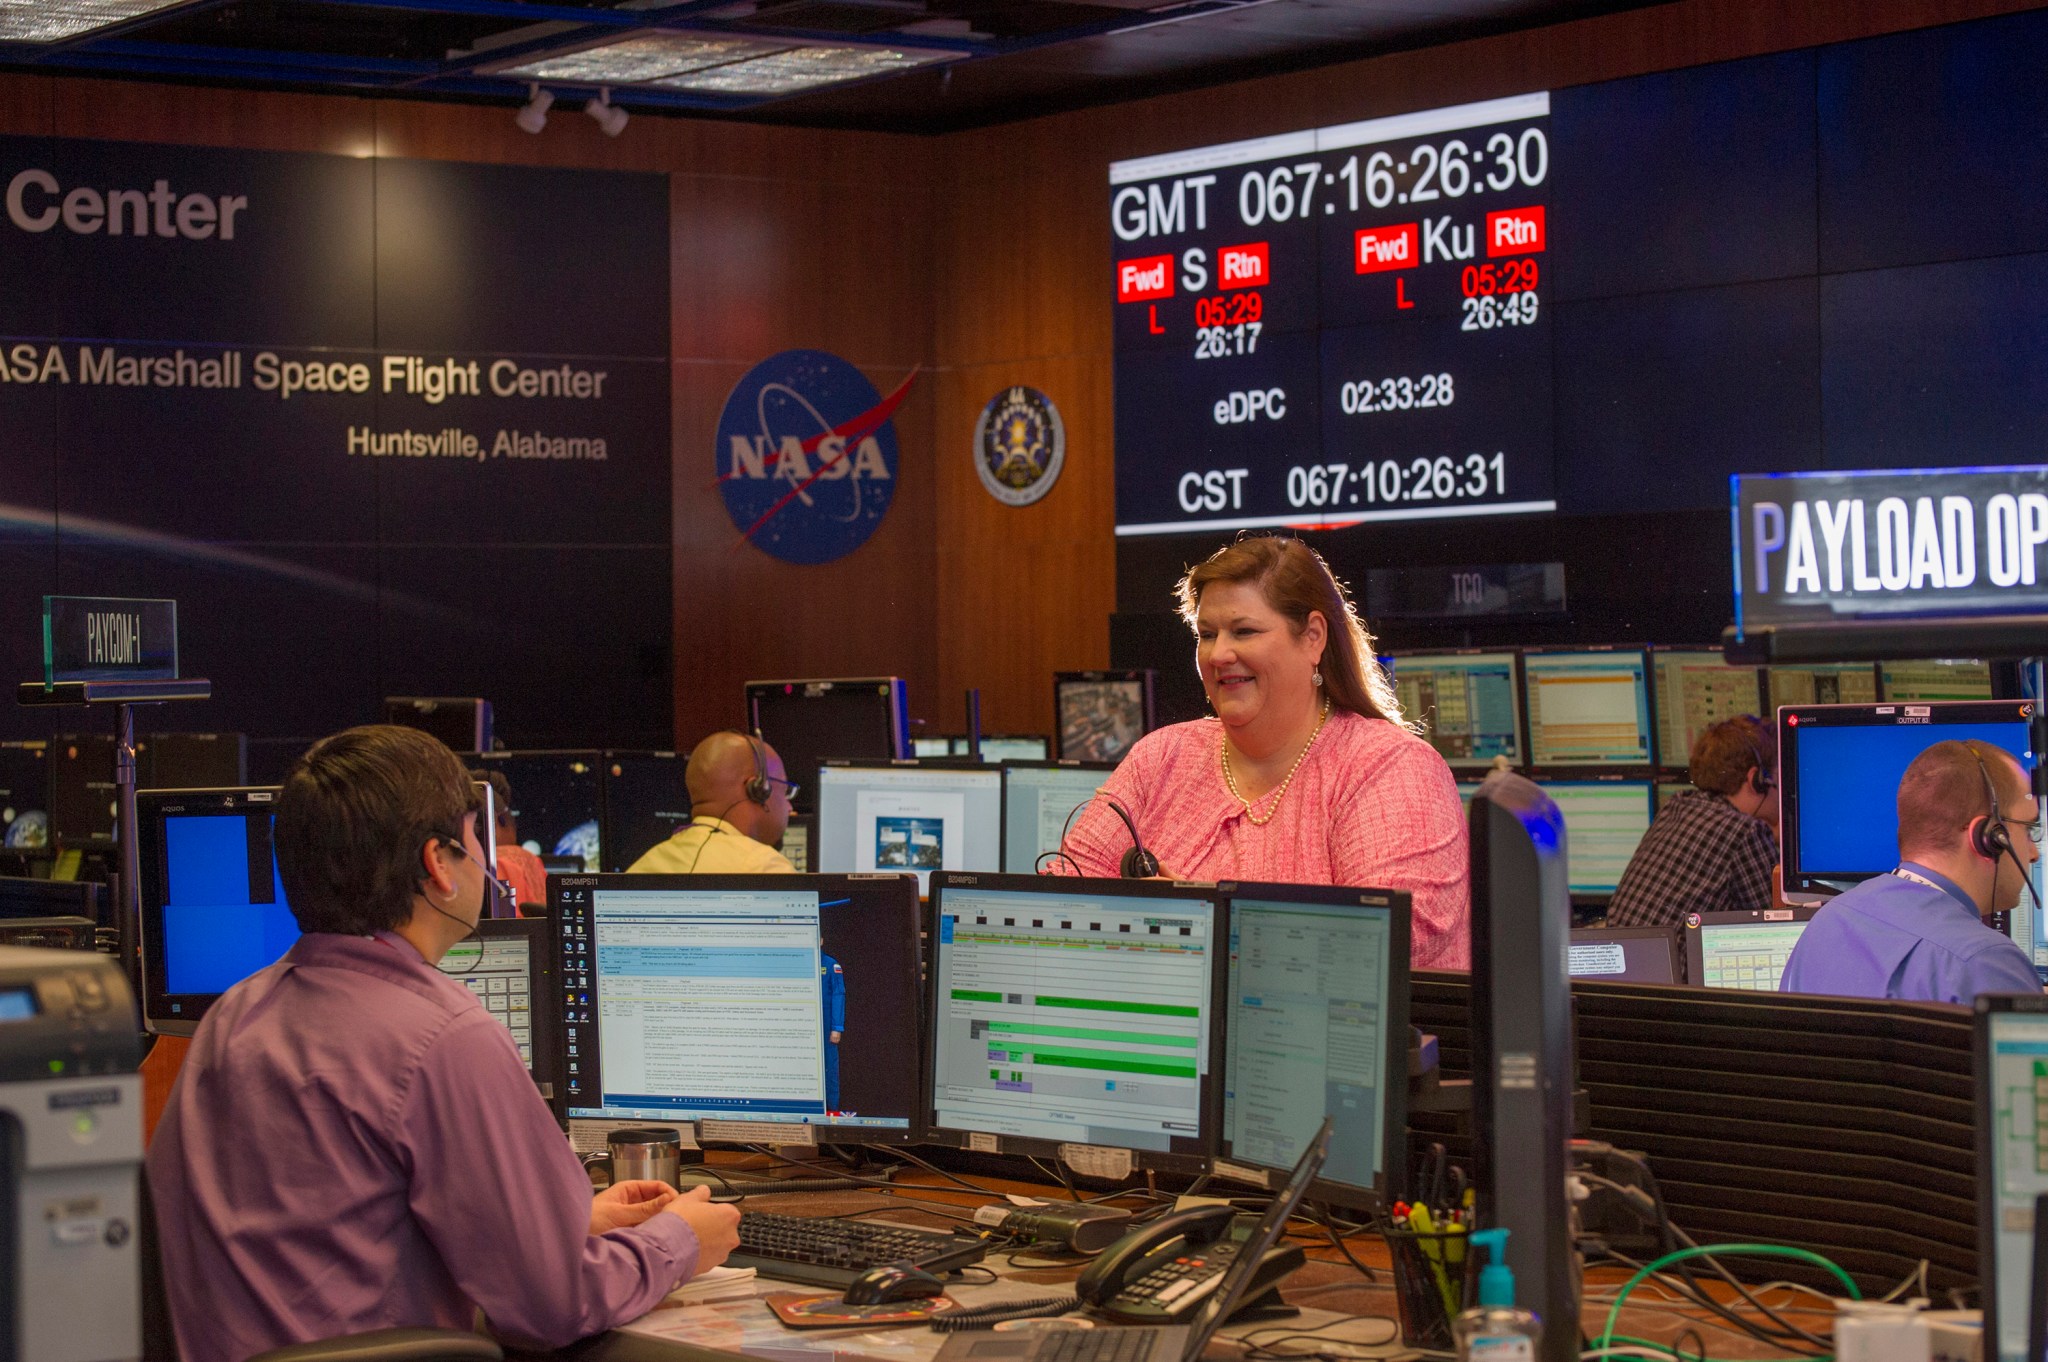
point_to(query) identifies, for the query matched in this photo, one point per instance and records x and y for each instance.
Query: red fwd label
(1515, 231)
(1242, 266)
(1138, 280)
(1386, 248)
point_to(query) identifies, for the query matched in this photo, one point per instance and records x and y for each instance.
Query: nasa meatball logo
(807, 456)
(1019, 445)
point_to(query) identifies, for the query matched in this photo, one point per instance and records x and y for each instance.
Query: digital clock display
(1336, 326)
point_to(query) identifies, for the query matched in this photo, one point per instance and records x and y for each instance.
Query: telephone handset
(1162, 1273)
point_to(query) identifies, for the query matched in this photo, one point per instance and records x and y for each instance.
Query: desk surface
(1337, 1300)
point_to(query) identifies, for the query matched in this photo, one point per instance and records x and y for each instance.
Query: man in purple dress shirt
(1966, 823)
(353, 1142)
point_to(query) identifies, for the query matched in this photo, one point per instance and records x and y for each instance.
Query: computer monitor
(1039, 800)
(1745, 948)
(1822, 683)
(1625, 955)
(462, 722)
(1073, 1011)
(1470, 703)
(1668, 790)
(213, 906)
(1603, 822)
(1098, 716)
(1696, 689)
(1315, 1022)
(935, 745)
(2011, 1064)
(1012, 747)
(713, 999)
(83, 803)
(644, 802)
(809, 723)
(510, 964)
(918, 816)
(24, 795)
(1839, 768)
(1934, 679)
(1587, 707)
(31, 898)
(557, 801)
(192, 761)
(797, 840)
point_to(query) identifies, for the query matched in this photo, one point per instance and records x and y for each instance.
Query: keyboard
(823, 1252)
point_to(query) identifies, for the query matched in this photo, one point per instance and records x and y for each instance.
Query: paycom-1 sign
(807, 456)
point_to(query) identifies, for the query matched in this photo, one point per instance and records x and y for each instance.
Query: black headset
(1766, 781)
(1989, 839)
(1136, 863)
(758, 789)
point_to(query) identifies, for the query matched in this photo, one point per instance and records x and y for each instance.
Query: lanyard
(1906, 874)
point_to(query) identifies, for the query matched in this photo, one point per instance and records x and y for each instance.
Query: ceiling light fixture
(51, 21)
(534, 115)
(611, 119)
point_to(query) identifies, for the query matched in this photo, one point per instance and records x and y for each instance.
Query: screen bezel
(1682, 761)
(1676, 956)
(1695, 943)
(1007, 766)
(1399, 905)
(1988, 1006)
(1645, 769)
(1798, 879)
(1515, 681)
(1599, 777)
(1209, 1100)
(152, 807)
(1144, 677)
(894, 892)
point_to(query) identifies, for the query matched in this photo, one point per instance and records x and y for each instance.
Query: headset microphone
(1136, 863)
(472, 928)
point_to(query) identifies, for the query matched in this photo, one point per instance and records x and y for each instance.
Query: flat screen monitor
(644, 802)
(809, 723)
(31, 898)
(213, 906)
(1668, 790)
(1011, 747)
(83, 803)
(1603, 822)
(557, 801)
(909, 815)
(24, 795)
(797, 840)
(192, 761)
(1315, 1022)
(1822, 683)
(1746, 948)
(2011, 1064)
(1471, 703)
(1073, 1011)
(1936, 679)
(1098, 716)
(510, 965)
(1696, 689)
(1039, 803)
(1839, 768)
(1625, 955)
(935, 745)
(463, 722)
(1588, 708)
(715, 1000)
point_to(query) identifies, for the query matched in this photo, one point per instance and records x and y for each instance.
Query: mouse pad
(830, 1312)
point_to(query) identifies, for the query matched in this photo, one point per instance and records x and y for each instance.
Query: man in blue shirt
(1967, 819)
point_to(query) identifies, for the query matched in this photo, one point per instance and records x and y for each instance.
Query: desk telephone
(1163, 1272)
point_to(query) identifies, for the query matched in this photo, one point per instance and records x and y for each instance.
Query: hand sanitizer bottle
(1495, 1330)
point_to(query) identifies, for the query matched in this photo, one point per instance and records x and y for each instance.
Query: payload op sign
(806, 456)
(1925, 543)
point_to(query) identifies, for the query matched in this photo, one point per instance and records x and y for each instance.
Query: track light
(534, 115)
(610, 117)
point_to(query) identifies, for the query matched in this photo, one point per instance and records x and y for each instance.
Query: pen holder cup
(1428, 1286)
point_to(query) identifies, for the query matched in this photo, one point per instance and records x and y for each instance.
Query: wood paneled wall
(980, 259)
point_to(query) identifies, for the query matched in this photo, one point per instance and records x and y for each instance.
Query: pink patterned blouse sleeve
(1401, 826)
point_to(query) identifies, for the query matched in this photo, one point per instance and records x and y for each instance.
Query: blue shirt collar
(1948, 886)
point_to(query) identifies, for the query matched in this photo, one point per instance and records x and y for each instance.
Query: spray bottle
(1496, 1330)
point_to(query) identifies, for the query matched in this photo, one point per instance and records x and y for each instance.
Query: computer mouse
(892, 1282)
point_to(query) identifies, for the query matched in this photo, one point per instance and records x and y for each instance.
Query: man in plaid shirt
(1713, 847)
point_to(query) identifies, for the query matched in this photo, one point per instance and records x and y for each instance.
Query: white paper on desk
(719, 1284)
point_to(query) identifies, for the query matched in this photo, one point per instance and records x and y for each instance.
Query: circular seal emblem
(1019, 445)
(806, 456)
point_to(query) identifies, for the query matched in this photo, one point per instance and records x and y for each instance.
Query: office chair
(160, 1343)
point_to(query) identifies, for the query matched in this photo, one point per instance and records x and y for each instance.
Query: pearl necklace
(1280, 791)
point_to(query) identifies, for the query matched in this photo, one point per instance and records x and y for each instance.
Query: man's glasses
(792, 787)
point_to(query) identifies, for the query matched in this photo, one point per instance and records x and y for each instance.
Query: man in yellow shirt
(739, 807)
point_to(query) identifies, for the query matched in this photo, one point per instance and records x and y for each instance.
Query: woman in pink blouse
(1305, 774)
